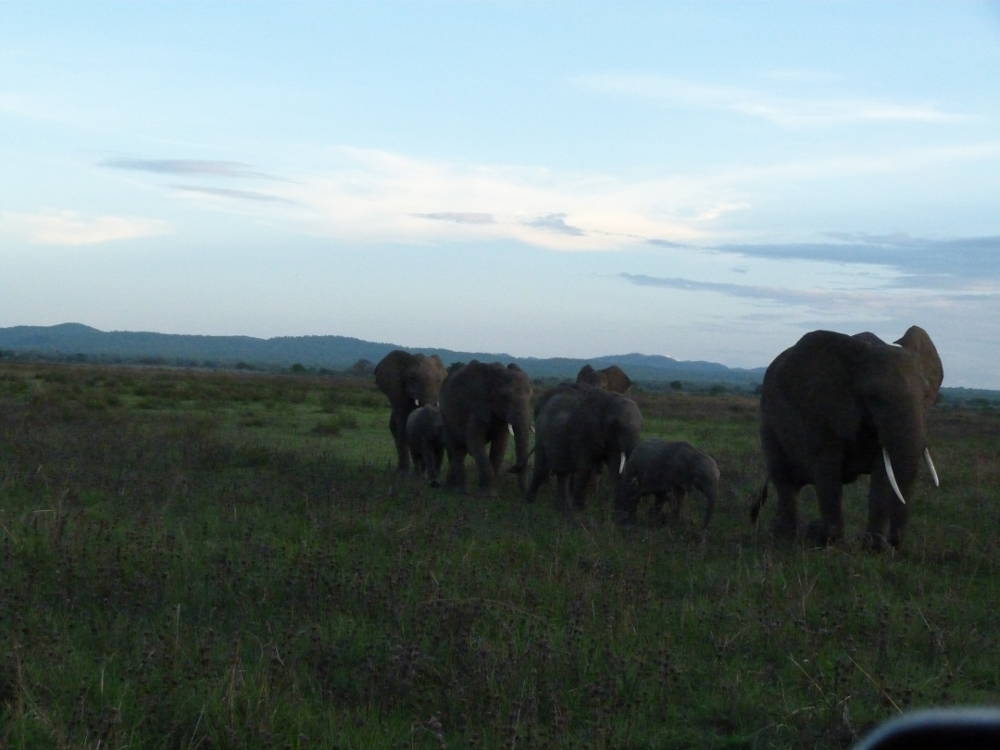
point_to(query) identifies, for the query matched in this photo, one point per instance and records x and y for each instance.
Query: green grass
(230, 560)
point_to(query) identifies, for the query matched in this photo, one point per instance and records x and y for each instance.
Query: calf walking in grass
(667, 471)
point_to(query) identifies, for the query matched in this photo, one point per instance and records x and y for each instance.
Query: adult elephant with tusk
(408, 381)
(579, 428)
(482, 404)
(834, 407)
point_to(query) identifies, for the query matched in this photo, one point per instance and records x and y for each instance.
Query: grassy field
(209, 560)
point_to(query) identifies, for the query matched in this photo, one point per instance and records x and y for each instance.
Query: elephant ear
(390, 373)
(917, 341)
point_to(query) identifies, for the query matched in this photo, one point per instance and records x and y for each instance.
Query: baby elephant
(425, 438)
(666, 471)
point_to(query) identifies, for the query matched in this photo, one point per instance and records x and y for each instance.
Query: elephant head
(416, 378)
(579, 429)
(408, 381)
(611, 378)
(482, 404)
(834, 407)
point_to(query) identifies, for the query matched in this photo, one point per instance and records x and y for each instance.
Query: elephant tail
(758, 504)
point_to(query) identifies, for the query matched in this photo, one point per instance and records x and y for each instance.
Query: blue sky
(704, 180)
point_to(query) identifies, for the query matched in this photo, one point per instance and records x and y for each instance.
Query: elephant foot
(784, 528)
(875, 541)
(625, 518)
(822, 534)
(434, 483)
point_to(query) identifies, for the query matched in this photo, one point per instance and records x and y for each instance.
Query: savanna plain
(210, 560)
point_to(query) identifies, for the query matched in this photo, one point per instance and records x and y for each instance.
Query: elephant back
(482, 389)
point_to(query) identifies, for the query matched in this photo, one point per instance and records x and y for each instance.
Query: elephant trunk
(902, 449)
(711, 491)
(521, 428)
(709, 506)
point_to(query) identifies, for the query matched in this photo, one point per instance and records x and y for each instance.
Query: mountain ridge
(328, 351)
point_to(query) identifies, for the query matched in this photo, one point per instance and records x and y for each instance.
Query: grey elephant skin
(668, 471)
(408, 381)
(579, 428)
(480, 405)
(834, 407)
(425, 440)
(611, 378)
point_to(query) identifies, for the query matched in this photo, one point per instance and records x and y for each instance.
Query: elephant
(425, 440)
(611, 378)
(666, 470)
(834, 407)
(409, 381)
(481, 403)
(578, 428)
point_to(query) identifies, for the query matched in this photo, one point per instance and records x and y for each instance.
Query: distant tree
(717, 390)
(242, 366)
(298, 368)
(676, 385)
(362, 367)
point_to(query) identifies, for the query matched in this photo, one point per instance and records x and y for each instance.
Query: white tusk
(416, 401)
(930, 465)
(510, 428)
(892, 477)
(621, 464)
(532, 428)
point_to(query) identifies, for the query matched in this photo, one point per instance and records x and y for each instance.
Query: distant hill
(69, 340)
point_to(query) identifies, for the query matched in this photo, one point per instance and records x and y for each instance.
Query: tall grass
(176, 573)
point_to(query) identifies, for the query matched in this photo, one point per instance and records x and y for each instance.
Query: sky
(701, 180)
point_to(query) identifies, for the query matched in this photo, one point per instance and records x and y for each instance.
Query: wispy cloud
(381, 196)
(244, 195)
(364, 195)
(70, 228)
(778, 109)
(555, 223)
(923, 261)
(203, 167)
(459, 217)
(851, 303)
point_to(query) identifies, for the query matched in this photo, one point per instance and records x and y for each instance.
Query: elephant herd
(832, 407)
(579, 429)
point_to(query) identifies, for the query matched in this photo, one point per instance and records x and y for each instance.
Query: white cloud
(781, 110)
(377, 196)
(70, 228)
(380, 196)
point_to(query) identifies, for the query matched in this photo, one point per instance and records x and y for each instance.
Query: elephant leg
(564, 499)
(456, 467)
(626, 503)
(539, 473)
(659, 500)
(397, 426)
(829, 489)
(436, 457)
(426, 454)
(416, 456)
(677, 496)
(578, 485)
(883, 505)
(476, 443)
(786, 520)
(498, 449)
